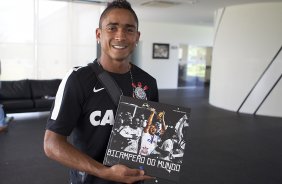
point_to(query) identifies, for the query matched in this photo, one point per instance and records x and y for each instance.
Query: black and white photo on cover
(149, 134)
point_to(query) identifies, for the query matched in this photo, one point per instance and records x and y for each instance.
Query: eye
(131, 29)
(111, 28)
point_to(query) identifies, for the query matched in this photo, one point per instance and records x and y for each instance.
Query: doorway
(194, 65)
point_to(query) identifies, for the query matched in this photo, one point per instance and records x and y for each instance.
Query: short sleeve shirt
(84, 111)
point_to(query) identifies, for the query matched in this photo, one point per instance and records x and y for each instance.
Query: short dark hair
(122, 4)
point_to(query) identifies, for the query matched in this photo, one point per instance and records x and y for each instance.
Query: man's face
(152, 129)
(118, 35)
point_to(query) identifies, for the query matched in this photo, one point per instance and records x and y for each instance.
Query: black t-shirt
(84, 111)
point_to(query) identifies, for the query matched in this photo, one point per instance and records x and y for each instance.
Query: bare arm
(150, 121)
(57, 148)
(164, 126)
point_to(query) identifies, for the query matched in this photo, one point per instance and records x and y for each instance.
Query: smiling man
(84, 110)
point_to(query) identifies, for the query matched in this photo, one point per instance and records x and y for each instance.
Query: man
(84, 109)
(132, 132)
(4, 119)
(152, 133)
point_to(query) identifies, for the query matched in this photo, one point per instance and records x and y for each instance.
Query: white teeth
(118, 47)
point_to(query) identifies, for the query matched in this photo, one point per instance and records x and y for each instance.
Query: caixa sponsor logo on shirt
(97, 119)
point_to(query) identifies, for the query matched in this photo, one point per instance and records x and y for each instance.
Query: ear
(137, 37)
(98, 34)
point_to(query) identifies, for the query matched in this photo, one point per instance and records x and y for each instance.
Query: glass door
(194, 66)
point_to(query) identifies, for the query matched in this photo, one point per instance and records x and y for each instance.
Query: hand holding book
(123, 174)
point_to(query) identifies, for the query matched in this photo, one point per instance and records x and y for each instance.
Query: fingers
(121, 173)
(133, 179)
(135, 175)
(134, 172)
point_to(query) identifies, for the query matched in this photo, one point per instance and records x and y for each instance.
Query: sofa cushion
(11, 106)
(44, 88)
(15, 90)
(43, 103)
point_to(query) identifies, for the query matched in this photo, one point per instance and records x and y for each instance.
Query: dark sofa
(28, 95)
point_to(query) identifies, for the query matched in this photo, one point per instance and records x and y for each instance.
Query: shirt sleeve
(67, 107)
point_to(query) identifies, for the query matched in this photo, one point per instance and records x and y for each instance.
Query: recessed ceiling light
(160, 3)
(167, 3)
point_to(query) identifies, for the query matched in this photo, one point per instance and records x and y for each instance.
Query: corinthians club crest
(139, 91)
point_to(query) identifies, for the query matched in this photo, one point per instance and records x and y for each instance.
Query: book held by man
(150, 136)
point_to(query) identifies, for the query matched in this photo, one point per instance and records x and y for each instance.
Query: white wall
(166, 70)
(248, 38)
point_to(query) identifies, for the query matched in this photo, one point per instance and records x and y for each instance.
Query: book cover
(150, 136)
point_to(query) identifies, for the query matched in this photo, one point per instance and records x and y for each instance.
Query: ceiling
(193, 12)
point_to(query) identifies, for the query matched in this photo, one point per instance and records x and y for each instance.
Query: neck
(115, 66)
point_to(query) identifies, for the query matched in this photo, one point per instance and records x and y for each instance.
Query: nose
(120, 34)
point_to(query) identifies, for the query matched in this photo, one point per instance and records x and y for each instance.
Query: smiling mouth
(119, 46)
